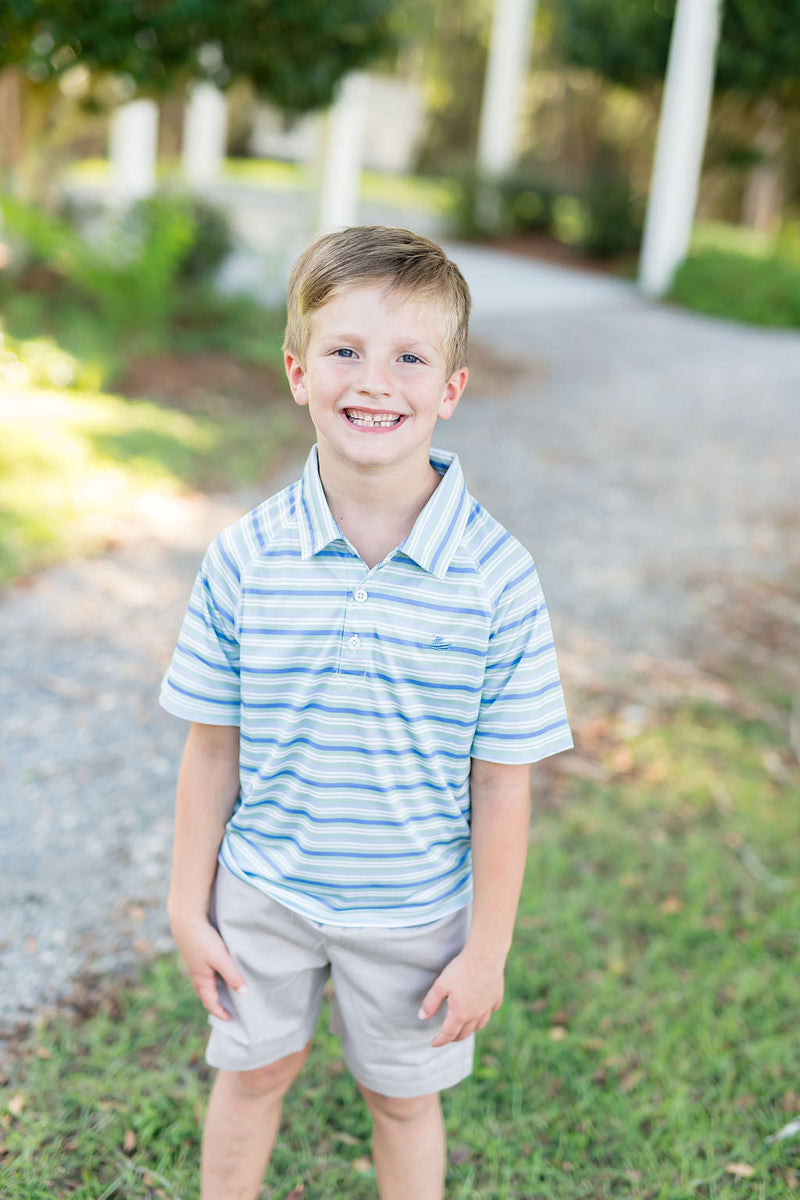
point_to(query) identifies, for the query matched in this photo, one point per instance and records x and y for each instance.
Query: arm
(208, 785)
(472, 983)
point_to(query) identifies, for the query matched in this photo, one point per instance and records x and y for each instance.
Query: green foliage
(614, 212)
(647, 1043)
(741, 283)
(131, 277)
(627, 41)
(602, 217)
(135, 276)
(294, 54)
(211, 236)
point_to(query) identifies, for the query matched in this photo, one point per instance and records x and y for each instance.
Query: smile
(369, 420)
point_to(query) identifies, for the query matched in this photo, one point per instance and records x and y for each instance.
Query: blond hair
(368, 254)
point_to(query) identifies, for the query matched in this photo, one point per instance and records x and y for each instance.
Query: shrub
(602, 216)
(134, 275)
(740, 286)
(211, 241)
(614, 214)
(131, 276)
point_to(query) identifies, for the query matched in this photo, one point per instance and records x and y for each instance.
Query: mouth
(363, 419)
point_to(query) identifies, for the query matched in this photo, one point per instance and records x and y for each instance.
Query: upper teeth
(363, 418)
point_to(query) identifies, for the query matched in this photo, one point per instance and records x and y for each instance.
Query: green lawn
(76, 456)
(647, 1046)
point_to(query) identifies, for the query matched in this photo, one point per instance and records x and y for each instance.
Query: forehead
(362, 308)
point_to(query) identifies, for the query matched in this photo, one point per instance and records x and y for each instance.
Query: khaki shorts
(380, 978)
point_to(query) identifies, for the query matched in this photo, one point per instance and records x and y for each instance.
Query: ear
(296, 375)
(453, 392)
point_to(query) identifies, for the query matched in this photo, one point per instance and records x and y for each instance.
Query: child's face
(375, 378)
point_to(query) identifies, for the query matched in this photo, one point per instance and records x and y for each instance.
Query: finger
(206, 988)
(225, 967)
(453, 1031)
(432, 1002)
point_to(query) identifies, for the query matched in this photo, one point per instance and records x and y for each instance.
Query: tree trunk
(763, 197)
(10, 125)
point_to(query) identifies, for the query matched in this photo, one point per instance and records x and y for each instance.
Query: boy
(368, 665)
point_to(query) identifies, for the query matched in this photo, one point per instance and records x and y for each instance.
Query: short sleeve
(202, 681)
(522, 715)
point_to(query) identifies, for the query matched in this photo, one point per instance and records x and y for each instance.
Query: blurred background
(162, 164)
(619, 180)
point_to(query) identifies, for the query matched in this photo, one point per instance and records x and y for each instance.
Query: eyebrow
(410, 344)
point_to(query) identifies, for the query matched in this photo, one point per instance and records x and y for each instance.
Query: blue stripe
(345, 748)
(404, 680)
(443, 544)
(215, 604)
(226, 558)
(203, 616)
(528, 619)
(336, 710)
(415, 602)
(382, 886)
(540, 733)
(501, 541)
(189, 653)
(227, 703)
(255, 525)
(344, 785)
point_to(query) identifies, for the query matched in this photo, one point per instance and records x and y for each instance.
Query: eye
(410, 358)
(344, 352)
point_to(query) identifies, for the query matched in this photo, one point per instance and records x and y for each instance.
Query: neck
(376, 510)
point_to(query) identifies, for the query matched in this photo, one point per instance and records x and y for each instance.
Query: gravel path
(649, 459)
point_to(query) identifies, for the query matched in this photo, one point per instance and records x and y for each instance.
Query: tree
(292, 53)
(758, 70)
(627, 41)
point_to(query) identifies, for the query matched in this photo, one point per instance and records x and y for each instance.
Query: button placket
(354, 645)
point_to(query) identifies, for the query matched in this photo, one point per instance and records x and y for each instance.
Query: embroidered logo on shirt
(439, 643)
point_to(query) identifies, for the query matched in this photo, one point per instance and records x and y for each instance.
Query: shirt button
(359, 595)
(354, 642)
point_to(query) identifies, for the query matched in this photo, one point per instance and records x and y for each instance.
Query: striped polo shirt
(361, 695)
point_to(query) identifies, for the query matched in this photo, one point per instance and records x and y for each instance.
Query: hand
(473, 988)
(206, 957)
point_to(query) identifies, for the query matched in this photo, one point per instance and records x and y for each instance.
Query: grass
(742, 275)
(76, 458)
(435, 196)
(646, 1048)
(75, 463)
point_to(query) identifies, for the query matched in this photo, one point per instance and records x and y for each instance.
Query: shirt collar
(437, 530)
(317, 526)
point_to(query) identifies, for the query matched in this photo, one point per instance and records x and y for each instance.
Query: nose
(373, 379)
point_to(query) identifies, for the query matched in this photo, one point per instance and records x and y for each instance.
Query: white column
(205, 134)
(683, 124)
(506, 69)
(341, 168)
(133, 149)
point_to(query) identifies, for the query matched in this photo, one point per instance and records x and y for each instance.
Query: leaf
(129, 1141)
(740, 1170)
(297, 1191)
(785, 1132)
(362, 1165)
(16, 1105)
(558, 1033)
